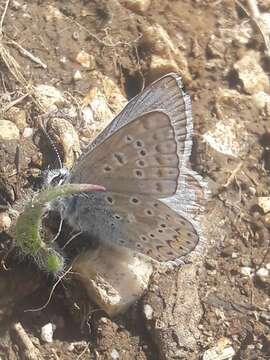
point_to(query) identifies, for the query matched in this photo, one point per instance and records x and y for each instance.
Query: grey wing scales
(166, 95)
(140, 223)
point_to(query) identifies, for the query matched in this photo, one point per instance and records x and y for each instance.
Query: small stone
(160, 66)
(263, 274)
(37, 159)
(246, 271)
(64, 134)
(221, 351)
(48, 96)
(75, 35)
(96, 101)
(113, 285)
(264, 203)
(138, 5)
(235, 255)
(216, 47)
(242, 33)
(5, 221)
(15, 5)
(210, 264)
(8, 130)
(229, 137)
(47, 332)
(148, 311)
(27, 132)
(114, 96)
(18, 116)
(78, 346)
(53, 13)
(262, 101)
(251, 74)
(77, 75)
(63, 60)
(165, 56)
(115, 354)
(71, 347)
(86, 60)
(88, 116)
(265, 22)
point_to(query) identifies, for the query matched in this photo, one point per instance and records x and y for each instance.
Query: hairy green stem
(28, 224)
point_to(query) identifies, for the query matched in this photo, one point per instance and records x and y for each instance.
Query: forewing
(140, 158)
(165, 94)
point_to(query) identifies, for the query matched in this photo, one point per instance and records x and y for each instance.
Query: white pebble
(8, 130)
(263, 274)
(148, 312)
(27, 132)
(115, 354)
(5, 222)
(247, 271)
(86, 60)
(77, 75)
(47, 332)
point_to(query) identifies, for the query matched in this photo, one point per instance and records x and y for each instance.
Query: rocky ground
(66, 55)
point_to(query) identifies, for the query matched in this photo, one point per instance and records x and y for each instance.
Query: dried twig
(3, 16)
(14, 102)
(232, 176)
(51, 293)
(255, 16)
(30, 352)
(26, 53)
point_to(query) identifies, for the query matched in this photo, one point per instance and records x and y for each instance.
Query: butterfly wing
(140, 223)
(140, 157)
(166, 95)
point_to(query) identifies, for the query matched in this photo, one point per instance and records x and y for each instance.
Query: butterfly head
(56, 177)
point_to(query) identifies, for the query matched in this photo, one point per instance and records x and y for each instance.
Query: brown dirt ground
(233, 306)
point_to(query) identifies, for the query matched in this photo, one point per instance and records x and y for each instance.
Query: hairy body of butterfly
(141, 158)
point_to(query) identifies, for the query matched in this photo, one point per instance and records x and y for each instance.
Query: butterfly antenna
(51, 142)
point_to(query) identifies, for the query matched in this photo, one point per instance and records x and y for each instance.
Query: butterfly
(141, 158)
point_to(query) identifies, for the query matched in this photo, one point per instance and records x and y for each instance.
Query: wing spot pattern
(143, 238)
(129, 139)
(120, 158)
(139, 173)
(110, 200)
(134, 200)
(138, 144)
(107, 168)
(142, 153)
(149, 212)
(140, 163)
